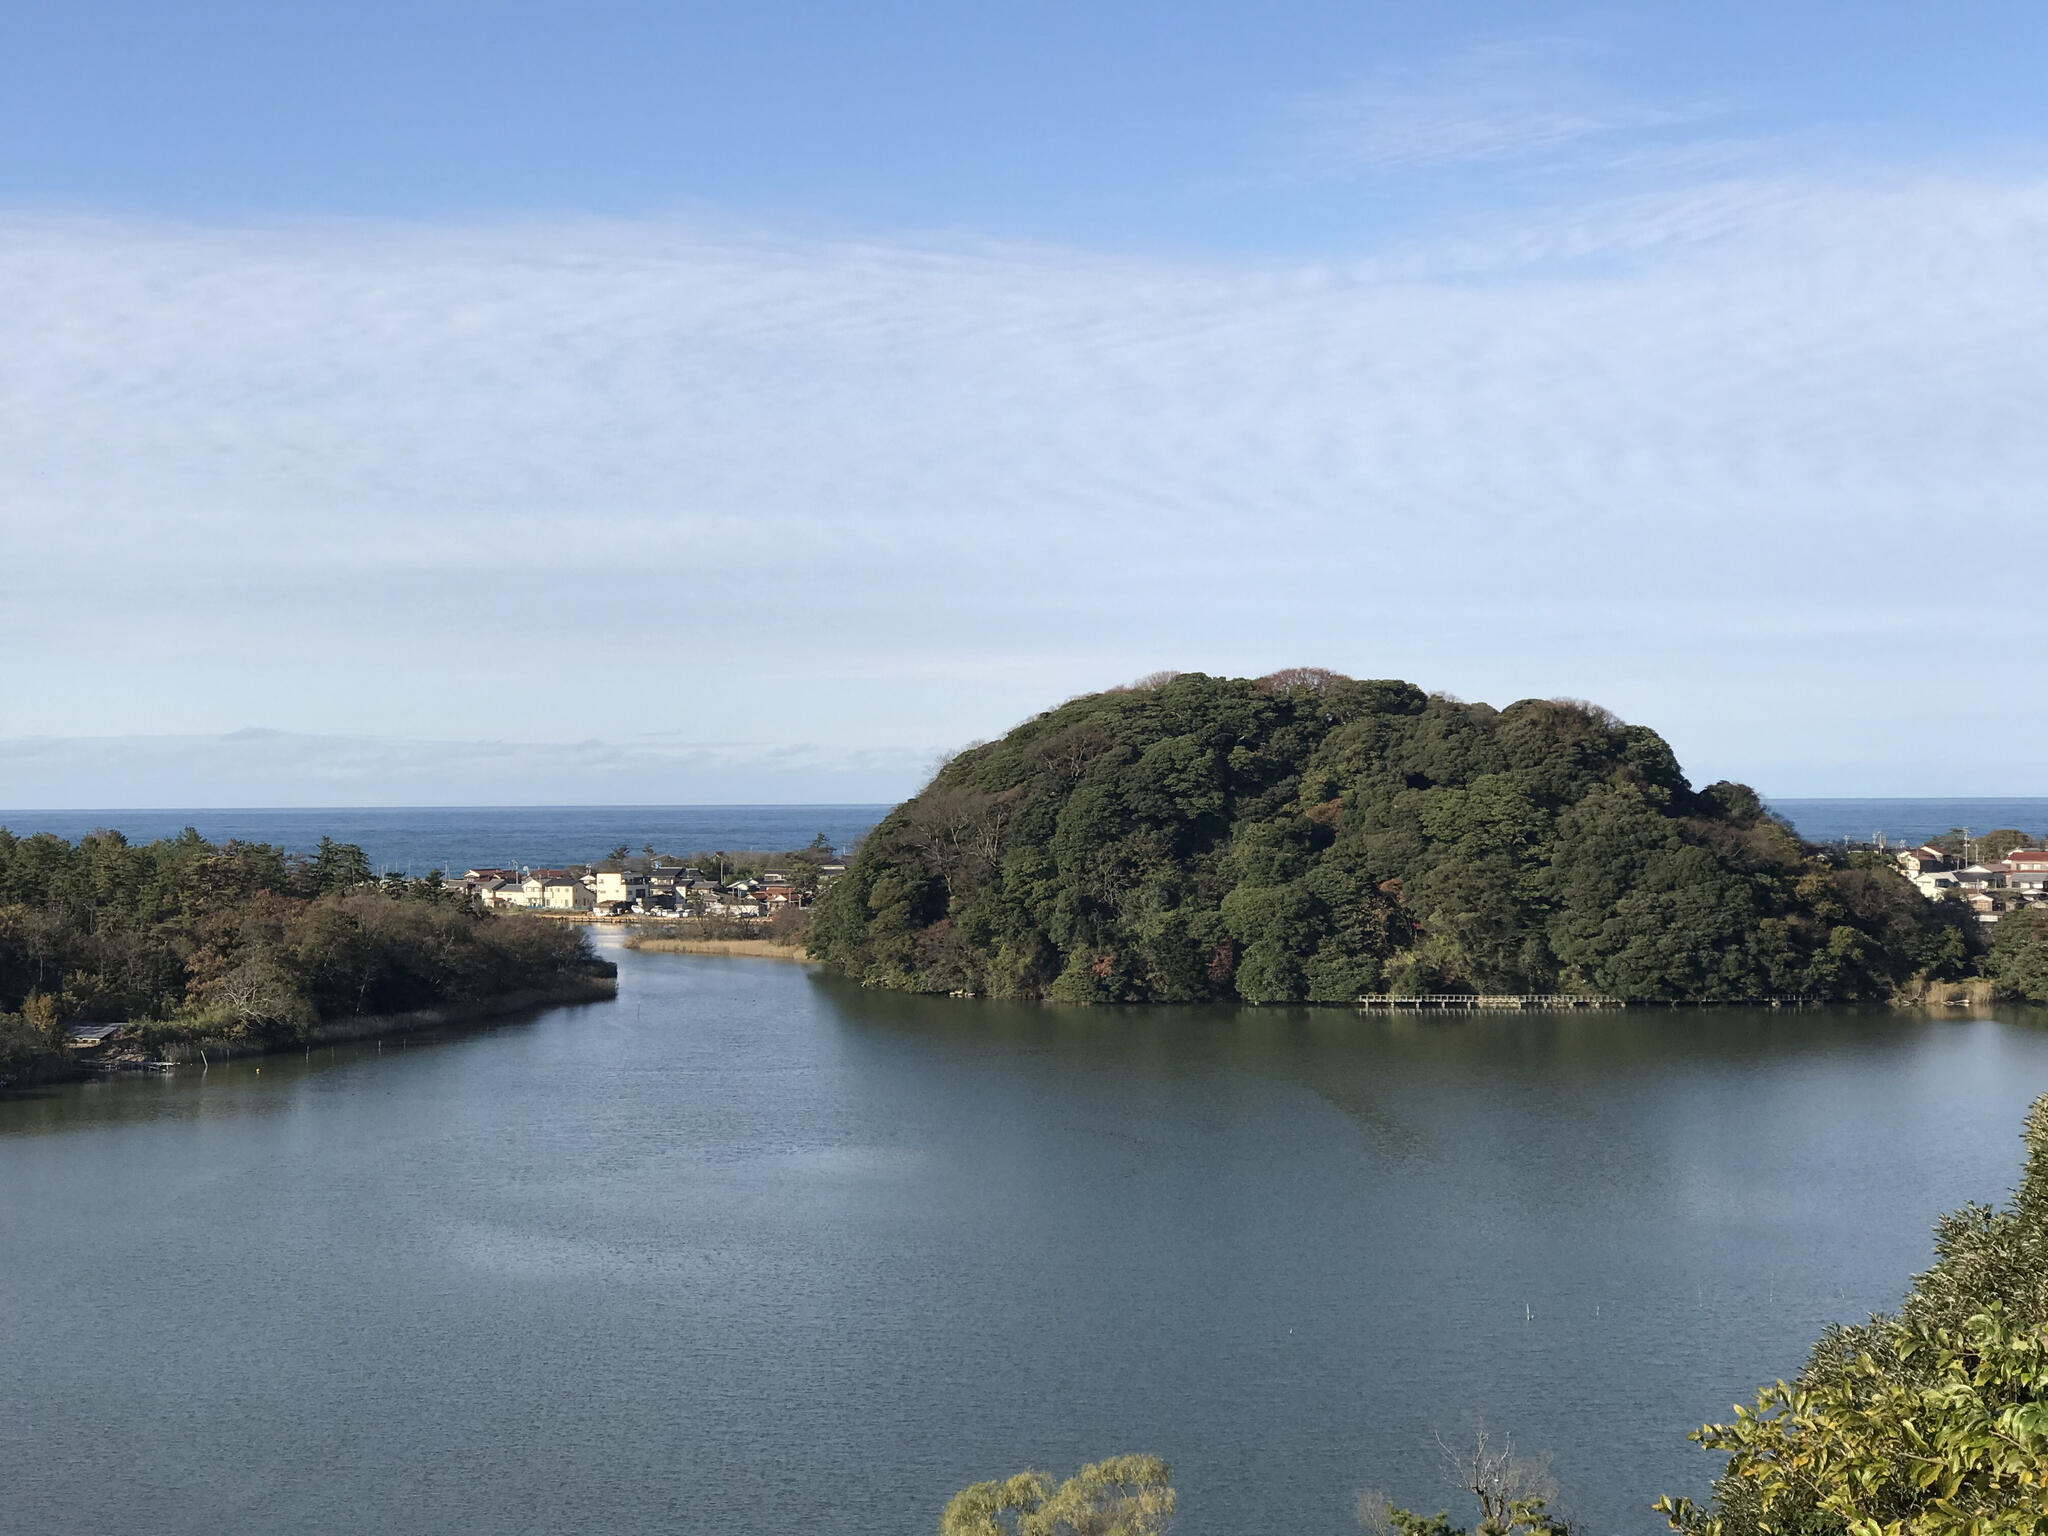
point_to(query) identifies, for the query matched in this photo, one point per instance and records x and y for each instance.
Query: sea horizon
(419, 838)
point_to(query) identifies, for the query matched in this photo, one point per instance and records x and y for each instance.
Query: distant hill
(1308, 837)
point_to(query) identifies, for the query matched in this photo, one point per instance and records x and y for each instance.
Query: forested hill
(1311, 837)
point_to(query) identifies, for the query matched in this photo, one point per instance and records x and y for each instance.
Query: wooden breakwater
(1472, 1002)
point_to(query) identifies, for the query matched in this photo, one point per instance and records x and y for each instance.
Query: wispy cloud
(601, 479)
(278, 768)
(1503, 102)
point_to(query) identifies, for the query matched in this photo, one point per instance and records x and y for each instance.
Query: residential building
(618, 886)
(563, 892)
(87, 1036)
(1981, 877)
(1924, 860)
(2026, 869)
(555, 890)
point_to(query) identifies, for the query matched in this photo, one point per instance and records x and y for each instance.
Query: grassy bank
(1978, 992)
(144, 1049)
(776, 938)
(757, 949)
(377, 1026)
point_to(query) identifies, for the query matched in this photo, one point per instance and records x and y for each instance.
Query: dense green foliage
(1930, 1423)
(185, 938)
(2018, 962)
(1122, 1496)
(1310, 837)
(1995, 844)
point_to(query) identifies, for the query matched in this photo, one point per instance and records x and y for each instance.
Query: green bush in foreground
(1933, 1422)
(1123, 1496)
(1939, 1432)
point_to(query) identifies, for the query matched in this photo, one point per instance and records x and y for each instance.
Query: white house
(618, 885)
(1923, 861)
(560, 891)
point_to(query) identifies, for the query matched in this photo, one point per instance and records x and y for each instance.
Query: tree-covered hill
(1311, 837)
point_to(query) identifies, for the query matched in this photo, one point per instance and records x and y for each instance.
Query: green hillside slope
(1311, 837)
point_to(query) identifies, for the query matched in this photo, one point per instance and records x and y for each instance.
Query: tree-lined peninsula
(184, 940)
(1311, 837)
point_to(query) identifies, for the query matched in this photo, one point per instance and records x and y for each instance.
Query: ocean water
(1911, 821)
(749, 1251)
(420, 838)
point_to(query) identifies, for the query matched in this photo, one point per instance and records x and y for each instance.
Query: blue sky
(766, 398)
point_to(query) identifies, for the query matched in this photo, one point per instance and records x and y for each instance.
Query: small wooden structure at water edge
(1443, 1000)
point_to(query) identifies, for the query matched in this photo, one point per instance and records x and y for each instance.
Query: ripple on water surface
(751, 1251)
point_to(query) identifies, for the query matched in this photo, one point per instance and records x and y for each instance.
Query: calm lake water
(748, 1251)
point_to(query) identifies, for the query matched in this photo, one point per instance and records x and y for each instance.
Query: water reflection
(235, 1085)
(753, 1250)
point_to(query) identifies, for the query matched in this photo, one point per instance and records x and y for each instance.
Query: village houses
(1988, 887)
(660, 890)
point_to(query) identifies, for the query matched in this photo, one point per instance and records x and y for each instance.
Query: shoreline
(743, 949)
(1976, 993)
(372, 1026)
(367, 1026)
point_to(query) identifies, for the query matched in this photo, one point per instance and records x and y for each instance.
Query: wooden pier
(1468, 1002)
(1440, 1000)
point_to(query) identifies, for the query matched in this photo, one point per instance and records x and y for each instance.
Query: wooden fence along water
(1440, 1000)
(1470, 1001)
